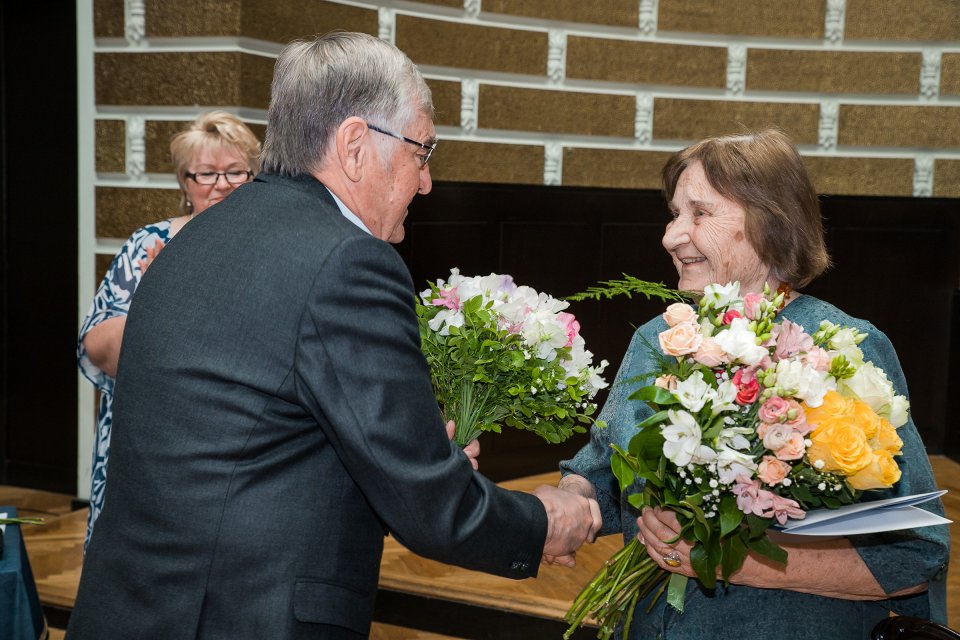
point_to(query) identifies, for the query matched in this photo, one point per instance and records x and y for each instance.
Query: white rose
(871, 385)
(845, 343)
(898, 411)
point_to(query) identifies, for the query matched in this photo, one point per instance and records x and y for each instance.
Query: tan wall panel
(108, 21)
(861, 176)
(446, 102)
(902, 20)
(487, 162)
(555, 111)
(285, 21)
(646, 62)
(946, 179)
(833, 71)
(102, 262)
(678, 119)
(796, 19)
(111, 144)
(950, 74)
(448, 44)
(122, 211)
(620, 13)
(192, 18)
(616, 168)
(166, 79)
(899, 126)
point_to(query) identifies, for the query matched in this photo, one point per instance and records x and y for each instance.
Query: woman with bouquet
(743, 210)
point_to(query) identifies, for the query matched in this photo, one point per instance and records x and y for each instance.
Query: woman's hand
(660, 534)
(152, 253)
(472, 450)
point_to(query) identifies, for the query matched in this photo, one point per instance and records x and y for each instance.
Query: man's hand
(472, 450)
(571, 520)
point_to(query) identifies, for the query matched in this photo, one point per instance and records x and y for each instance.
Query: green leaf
(652, 394)
(730, 515)
(622, 469)
(734, 551)
(768, 549)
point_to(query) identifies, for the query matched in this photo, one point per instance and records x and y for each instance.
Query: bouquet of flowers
(502, 354)
(754, 422)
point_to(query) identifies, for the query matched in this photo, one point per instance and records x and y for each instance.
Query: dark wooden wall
(896, 264)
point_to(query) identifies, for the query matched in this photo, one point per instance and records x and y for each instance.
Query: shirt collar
(349, 215)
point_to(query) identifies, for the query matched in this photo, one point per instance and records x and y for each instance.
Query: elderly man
(273, 414)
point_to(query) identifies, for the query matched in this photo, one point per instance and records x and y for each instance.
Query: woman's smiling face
(707, 237)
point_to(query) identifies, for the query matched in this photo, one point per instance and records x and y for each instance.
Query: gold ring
(672, 559)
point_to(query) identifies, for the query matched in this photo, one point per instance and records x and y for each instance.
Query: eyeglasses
(423, 158)
(207, 178)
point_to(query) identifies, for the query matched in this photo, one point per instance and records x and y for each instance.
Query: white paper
(891, 514)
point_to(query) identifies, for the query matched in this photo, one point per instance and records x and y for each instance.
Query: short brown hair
(763, 172)
(211, 129)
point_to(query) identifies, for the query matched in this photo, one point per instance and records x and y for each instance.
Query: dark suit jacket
(273, 418)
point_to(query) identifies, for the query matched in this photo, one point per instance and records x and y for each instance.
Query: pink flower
(747, 386)
(731, 315)
(772, 471)
(678, 313)
(817, 358)
(791, 340)
(751, 305)
(570, 325)
(710, 354)
(448, 298)
(799, 419)
(774, 410)
(750, 497)
(666, 381)
(681, 340)
(777, 436)
(783, 508)
(793, 449)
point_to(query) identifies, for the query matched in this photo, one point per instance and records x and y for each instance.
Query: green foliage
(630, 286)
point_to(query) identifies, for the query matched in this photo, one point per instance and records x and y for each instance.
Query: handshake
(573, 517)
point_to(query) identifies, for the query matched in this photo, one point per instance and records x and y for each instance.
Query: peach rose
(887, 438)
(841, 445)
(794, 449)
(681, 340)
(881, 473)
(710, 354)
(777, 436)
(680, 313)
(772, 471)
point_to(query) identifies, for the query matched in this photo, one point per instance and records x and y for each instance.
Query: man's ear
(353, 150)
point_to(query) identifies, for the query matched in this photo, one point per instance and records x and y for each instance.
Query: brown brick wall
(920, 20)
(617, 168)
(794, 19)
(833, 71)
(111, 146)
(900, 126)
(121, 211)
(590, 114)
(679, 119)
(617, 60)
(861, 176)
(619, 13)
(460, 161)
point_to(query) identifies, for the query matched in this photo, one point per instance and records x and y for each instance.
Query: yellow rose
(887, 438)
(841, 445)
(834, 406)
(881, 473)
(867, 418)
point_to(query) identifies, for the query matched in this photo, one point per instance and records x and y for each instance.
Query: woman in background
(216, 154)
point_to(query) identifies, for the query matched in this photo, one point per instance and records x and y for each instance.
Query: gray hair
(319, 83)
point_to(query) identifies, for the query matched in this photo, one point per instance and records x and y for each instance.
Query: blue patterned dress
(113, 301)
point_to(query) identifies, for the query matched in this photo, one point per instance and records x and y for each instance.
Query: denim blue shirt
(897, 559)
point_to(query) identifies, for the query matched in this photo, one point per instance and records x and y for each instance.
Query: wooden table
(425, 594)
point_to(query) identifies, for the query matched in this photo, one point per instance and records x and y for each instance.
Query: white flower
(845, 342)
(740, 342)
(682, 440)
(731, 463)
(734, 437)
(803, 381)
(870, 384)
(719, 296)
(724, 399)
(445, 319)
(693, 392)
